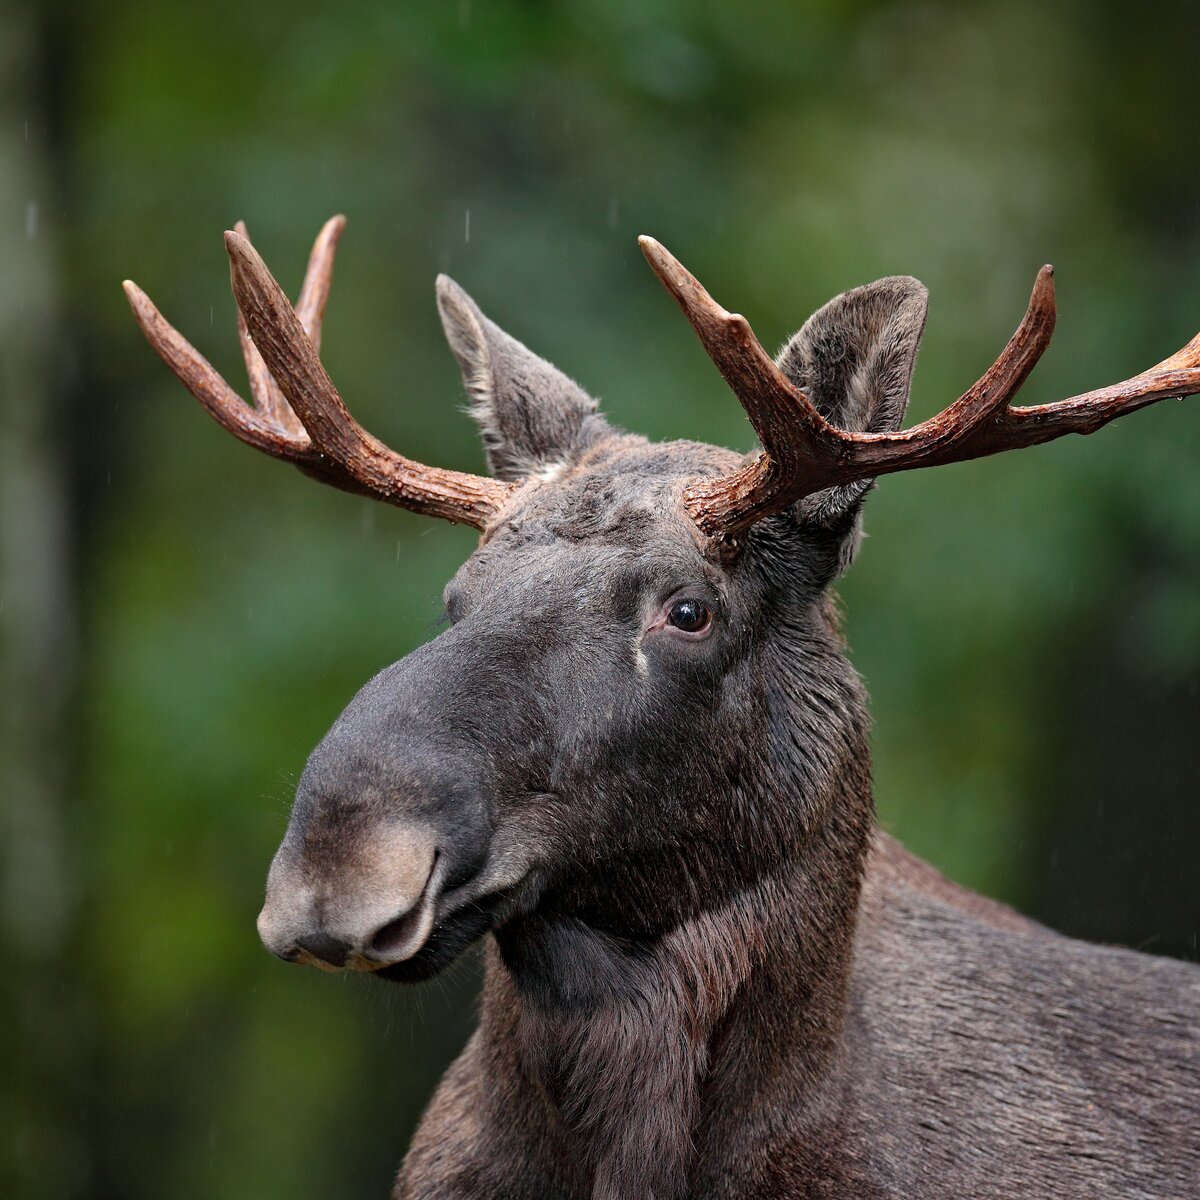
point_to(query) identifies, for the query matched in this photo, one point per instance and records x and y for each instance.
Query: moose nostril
(405, 934)
(396, 936)
(328, 949)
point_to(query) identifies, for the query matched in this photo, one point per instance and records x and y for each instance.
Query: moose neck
(646, 1046)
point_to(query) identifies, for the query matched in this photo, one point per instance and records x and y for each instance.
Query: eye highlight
(690, 615)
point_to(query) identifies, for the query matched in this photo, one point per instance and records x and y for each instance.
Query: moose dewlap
(637, 762)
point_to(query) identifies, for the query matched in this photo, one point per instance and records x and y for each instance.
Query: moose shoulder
(637, 762)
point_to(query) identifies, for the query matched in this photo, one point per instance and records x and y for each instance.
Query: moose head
(640, 706)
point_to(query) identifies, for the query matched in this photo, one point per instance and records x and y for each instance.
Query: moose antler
(298, 414)
(802, 453)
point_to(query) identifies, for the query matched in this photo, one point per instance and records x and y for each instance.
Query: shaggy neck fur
(643, 1049)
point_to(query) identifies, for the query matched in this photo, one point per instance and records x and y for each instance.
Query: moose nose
(362, 911)
(330, 950)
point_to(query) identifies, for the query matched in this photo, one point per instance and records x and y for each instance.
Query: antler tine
(1175, 377)
(311, 310)
(200, 378)
(292, 361)
(995, 388)
(265, 391)
(318, 275)
(772, 402)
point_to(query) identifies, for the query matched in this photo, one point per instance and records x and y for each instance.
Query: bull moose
(637, 763)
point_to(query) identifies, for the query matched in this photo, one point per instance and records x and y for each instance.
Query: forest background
(181, 620)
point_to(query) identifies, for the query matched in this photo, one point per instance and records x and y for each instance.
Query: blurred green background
(182, 619)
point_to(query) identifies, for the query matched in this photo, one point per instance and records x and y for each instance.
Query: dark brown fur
(956, 1050)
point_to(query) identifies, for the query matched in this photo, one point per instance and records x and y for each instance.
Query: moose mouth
(465, 922)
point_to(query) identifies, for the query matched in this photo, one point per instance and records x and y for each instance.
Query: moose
(636, 763)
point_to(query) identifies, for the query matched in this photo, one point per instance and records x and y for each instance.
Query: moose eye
(689, 615)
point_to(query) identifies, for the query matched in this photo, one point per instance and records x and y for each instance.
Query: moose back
(637, 762)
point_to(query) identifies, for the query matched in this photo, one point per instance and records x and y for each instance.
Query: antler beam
(299, 416)
(802, 453)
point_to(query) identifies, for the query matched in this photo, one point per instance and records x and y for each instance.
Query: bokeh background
(182, 619)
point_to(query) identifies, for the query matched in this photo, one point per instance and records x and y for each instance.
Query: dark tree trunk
(42, 1152)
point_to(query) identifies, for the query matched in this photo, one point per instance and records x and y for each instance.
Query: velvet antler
(298, 415)
(802, 453)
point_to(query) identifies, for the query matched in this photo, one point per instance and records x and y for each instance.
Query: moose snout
(361, 911)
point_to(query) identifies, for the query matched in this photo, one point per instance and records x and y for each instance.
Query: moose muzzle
(366, 910)
(392, 824)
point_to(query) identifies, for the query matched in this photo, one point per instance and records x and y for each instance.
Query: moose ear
(855, 359)
(855, 356)
(531, 415)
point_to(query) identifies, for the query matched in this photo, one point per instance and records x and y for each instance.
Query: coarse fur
(707, 973)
